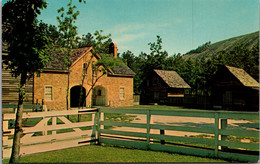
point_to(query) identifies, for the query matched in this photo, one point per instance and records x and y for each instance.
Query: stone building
(112, 89)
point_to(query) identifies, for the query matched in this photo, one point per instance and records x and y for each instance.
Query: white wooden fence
(217, 147)
(52, 131)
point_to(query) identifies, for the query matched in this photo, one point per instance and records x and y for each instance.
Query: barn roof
(243, 76)
(172, 78)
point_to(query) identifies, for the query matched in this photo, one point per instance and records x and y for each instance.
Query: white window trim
(121, 98)
(52, 94)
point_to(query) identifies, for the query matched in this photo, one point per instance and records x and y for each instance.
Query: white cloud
(134, 27)
(129, 32)
(129, 37)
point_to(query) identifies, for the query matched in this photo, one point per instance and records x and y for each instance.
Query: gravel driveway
(184, 121)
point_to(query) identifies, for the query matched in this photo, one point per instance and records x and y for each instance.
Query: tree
(69, 38)
(100, 68)
(86, 40)
(101, 42)
(129, 58)
(27, 51)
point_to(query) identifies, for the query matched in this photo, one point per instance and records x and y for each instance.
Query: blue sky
(182, 24)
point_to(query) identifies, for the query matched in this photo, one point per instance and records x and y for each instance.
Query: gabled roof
(123, 70)
(243, 76)
(56, 61)
(172, 78)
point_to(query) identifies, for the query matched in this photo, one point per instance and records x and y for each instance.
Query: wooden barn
(163, 87)
(234, 89)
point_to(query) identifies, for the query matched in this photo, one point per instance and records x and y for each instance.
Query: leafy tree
(101, 67)
(129, 59)
(69, 38)
(101, 43)
(156, 59)
(86, 40)
(27, 51)
(201, 48)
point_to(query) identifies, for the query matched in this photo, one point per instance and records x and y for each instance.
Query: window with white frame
(48, 93)
(122, 93)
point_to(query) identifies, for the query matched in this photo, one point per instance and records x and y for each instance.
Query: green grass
(96, 154)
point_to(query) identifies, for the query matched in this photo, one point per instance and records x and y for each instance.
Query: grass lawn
(95, 153)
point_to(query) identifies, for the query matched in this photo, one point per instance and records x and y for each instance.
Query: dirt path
(178, 121)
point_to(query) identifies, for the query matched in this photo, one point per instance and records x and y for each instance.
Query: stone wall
(58, 81)
(109, 83)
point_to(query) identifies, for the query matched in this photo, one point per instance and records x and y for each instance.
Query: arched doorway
(77, 96)
(99, 96)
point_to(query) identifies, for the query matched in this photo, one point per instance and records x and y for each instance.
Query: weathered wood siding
(10, 88)
(155, 90)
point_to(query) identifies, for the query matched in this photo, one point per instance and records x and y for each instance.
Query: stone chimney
(113, 49)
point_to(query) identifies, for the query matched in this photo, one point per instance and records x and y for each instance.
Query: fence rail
(51, 130)
(217, 146)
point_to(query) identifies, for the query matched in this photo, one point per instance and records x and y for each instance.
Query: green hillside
(209, 50)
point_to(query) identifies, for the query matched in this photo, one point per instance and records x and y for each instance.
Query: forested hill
(208, 50)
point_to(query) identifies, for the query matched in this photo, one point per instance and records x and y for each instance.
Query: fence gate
(51, 130)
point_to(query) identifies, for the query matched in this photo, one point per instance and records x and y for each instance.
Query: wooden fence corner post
(148, 119)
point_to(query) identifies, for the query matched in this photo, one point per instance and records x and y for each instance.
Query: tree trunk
(18, 122)
(92, 86)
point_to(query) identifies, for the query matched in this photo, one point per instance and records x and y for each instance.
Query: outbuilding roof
(172, 78)
(243, 76)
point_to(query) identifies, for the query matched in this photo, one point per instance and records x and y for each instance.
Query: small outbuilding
(233, 88)
(163, 87)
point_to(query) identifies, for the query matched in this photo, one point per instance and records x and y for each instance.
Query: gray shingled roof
(243, 76)
(172, 79)
(123, 70)
(56, 62)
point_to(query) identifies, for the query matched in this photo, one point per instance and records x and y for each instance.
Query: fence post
(216, 133)
(223, 125)
(98, 125)
(102, 119)
(148, 119)
(162, 132)
(94, 127)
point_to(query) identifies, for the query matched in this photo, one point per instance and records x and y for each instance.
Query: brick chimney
(113, 49)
